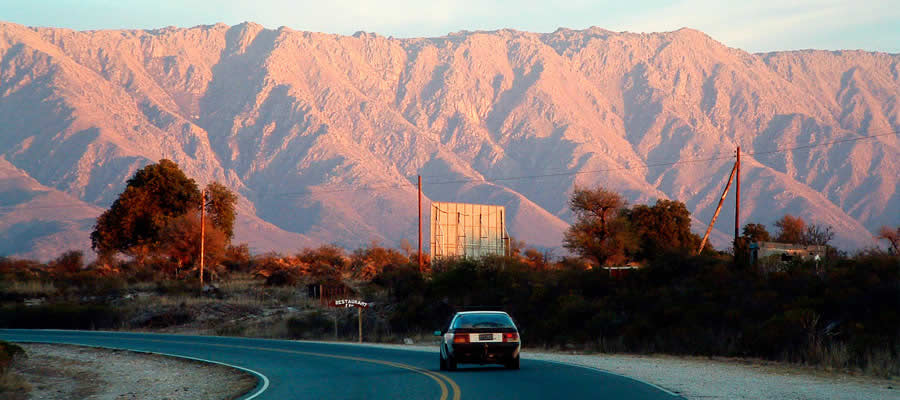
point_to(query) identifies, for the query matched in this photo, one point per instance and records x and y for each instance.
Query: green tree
(665, 226)
(152, 197)
(220, 205)
(601, 232)
(791, 229)
(755, 233)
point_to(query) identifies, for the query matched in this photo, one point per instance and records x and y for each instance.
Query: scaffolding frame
(468, 230)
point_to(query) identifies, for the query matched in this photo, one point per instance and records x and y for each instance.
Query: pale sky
(754, 25)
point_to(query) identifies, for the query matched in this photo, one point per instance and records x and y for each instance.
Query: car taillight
(510, 337)
(464, 338)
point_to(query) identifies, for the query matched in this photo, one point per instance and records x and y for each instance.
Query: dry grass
(142, 286)
(13, 386)
(267, 297)
(836, 356)
(29, 288)
(882, 363)
(239, 282)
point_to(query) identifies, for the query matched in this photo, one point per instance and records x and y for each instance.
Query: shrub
(60, 316)
(165, 319)
(90, 283)
(283, 277)
(9, 352)
(310, 326)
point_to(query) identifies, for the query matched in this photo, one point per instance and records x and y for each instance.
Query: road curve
(305, 370)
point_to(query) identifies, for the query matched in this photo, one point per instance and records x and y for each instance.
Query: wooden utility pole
(202, 234)
(421, 267)
(359, 314)
(737, 198)
(718, 208)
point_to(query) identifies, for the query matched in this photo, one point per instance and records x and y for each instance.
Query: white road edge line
(667, 391)
(260, 377)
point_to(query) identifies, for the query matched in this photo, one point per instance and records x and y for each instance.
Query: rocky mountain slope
(322, 135)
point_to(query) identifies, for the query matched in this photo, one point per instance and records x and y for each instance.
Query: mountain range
(322, 135)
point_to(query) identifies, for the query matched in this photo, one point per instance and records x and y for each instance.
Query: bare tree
(818, 235)
(406, 247)
(892, 236)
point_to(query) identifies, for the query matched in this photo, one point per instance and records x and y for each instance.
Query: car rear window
(483, 321)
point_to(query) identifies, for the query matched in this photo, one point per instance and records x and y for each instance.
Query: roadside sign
(349, 303)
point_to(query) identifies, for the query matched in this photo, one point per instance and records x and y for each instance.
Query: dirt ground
(62, 372)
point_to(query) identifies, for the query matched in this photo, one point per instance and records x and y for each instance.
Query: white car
(480, 337)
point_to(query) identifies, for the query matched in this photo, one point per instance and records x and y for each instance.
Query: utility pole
(202, 234)
(718, 208)
(421, 267)
(737, 197)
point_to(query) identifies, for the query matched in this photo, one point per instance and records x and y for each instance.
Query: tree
(601, 233)
(516, 246)
(182, 243)
(69, 262)
(756, 233)
(134, 224)
(892, 236)
(406, 247)
(663, 227)
(791, 229)
(818, 235)
(220, 206)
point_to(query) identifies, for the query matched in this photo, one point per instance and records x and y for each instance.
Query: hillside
(322, 135)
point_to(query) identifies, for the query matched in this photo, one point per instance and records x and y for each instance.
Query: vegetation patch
(635, 283)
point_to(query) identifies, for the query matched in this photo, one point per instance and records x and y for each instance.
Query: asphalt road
(304, 370)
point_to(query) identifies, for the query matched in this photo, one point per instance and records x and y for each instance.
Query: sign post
(358, 304)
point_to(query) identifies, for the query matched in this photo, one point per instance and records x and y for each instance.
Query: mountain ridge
(284, 117)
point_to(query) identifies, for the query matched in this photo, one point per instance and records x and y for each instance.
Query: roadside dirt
(63, 372)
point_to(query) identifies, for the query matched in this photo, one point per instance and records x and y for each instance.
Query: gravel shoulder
(63, 372)
(721, 378)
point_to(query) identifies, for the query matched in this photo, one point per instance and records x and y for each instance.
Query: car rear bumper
(485, 353)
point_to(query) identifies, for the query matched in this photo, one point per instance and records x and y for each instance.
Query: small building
(786, 251)
(622, 271)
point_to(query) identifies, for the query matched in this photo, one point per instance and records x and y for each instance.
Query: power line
(16, 207)
(347, 189)
(722, 157)
(854, 139)
(539, 176)
(570, 173)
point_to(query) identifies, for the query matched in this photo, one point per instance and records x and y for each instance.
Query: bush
(165, 319)
(678, 304)
(177, 287)
(283, 277)
(9, 352)
(90, 283)
(60, 316)
(310, 326)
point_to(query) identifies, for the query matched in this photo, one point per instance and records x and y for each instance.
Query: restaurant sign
(348, 303)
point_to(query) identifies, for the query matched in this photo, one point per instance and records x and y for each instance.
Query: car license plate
(485, 337)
